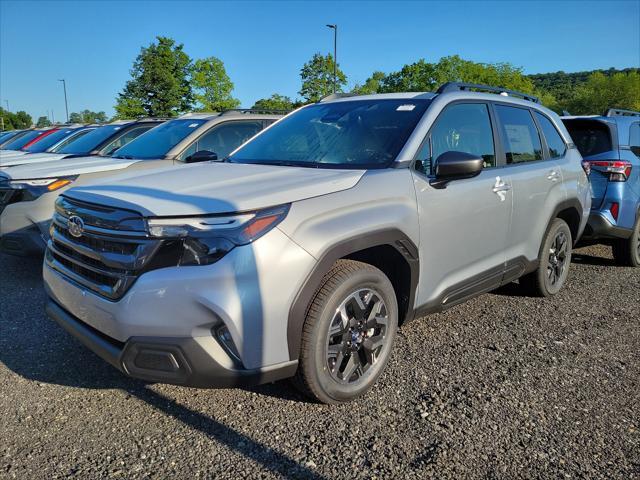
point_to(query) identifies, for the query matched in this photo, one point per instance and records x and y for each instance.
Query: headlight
(204, 240)
(33, 188)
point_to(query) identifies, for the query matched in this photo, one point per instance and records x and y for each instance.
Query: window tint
(123, 139)
(49, 141)
(634, 138)
(464, 127)
(20, 142)
(69, 139)
(557, 147)
(157, 142)
(520, 135)
(590, 136)
(345, 134)
(91, 140)
(226, 138)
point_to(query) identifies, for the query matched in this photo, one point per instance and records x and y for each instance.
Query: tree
(87, 116)
(601, 92)
(16, 120)
(317, 78)
(159, 84)
(276, 102)
(43, 122)
(212, 86)
(371, 84)
(422, 76)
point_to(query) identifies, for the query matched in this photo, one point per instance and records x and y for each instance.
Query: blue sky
(92, 44)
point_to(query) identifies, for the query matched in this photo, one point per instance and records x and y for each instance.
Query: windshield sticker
(194, 125)
(405, 108)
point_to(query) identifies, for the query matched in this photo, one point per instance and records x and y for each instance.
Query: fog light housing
(223, 336)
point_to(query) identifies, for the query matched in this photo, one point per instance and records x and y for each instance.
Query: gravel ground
(501, 387)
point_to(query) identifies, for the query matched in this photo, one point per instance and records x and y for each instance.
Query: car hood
(65, 167)
(210, 188)
(10, 154)
(30, 159)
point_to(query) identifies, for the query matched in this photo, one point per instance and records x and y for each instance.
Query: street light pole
(334, 27)
(66, 107)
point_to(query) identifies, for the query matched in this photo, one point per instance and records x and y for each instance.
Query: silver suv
(303, 252)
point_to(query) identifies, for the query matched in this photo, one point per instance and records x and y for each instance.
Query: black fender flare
(392, 237)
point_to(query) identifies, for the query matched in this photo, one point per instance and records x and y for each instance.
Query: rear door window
(555, 143)
(519, 135)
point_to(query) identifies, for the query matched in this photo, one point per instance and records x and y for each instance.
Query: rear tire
(626, 252)
(348, 333)
(554, 260)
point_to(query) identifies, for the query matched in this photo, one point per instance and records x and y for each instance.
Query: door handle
(500, 188)
(554, 176)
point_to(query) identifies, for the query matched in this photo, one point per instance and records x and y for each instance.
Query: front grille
(111, 252)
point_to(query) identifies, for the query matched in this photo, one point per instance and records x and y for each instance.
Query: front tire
(627, 252)
(554, 260)
(348, 333)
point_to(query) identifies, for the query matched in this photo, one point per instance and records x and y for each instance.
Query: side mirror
(202, 156)
(454, 165)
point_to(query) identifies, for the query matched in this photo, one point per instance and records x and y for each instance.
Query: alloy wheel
(356, 335)
(557, 258)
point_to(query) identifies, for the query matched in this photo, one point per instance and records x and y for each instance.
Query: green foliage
(371, 84)
(43, 122)
(423, 76)
(276, 102)
(87, 116)
(212, 86)
(16, 120)
(317, 78)
(601, 92)
(160, 82)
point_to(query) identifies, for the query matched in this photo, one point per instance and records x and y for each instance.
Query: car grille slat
(105, 257)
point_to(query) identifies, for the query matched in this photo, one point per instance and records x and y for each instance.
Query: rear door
(536, 179)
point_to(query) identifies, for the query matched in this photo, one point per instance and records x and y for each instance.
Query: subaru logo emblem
(75, 226)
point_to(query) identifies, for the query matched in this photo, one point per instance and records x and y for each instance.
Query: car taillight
(614, 209)
(618, 171)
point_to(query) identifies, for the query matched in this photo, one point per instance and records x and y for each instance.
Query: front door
(463, 227)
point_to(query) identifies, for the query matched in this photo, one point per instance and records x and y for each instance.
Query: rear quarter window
(591, 137)
(634, 138)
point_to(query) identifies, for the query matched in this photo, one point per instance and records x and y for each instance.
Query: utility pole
(334, 27)
(66, 107)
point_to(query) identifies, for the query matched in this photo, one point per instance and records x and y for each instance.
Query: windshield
(351, 134)
(49, 140)
(157, 142)
(71, 138)
(18, 143)
(90, 141)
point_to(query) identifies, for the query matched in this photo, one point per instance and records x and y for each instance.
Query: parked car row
(242, 248)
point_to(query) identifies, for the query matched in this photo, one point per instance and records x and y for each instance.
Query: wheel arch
(390, 250)
(569, 211)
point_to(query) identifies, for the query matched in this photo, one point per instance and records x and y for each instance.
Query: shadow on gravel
(35, 348)
(582, 259)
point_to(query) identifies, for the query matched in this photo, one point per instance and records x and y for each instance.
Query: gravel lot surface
(504, 386)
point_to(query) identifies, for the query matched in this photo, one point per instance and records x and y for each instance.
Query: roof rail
(335, 96)
(460, 86)
(619, 112)
(261, 111)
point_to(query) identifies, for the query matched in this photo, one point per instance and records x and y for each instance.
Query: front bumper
(195, 362)
(24, 226)
(600, 226)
